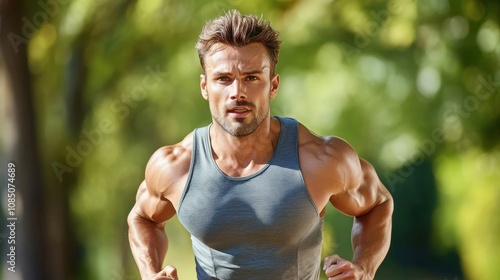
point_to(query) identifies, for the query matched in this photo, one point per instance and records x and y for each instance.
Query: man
(251, 188)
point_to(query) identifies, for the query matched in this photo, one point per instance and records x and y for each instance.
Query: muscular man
(251, 188)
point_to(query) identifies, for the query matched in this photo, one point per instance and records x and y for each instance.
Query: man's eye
(223, 79)
(251, 78)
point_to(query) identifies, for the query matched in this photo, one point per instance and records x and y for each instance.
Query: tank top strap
(286, 153)
(202, 149)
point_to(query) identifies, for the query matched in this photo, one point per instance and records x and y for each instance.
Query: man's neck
(241, 155)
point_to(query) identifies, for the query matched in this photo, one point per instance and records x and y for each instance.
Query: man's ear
(203, 86)
(275, 82)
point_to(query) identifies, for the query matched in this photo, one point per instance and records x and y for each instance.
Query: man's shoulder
(172, 161)
(173, 153)
(327, 159)
(324, 146)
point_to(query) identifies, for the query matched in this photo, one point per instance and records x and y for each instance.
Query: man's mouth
(238, 111)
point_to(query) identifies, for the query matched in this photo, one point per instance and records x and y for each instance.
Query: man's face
(238, 86)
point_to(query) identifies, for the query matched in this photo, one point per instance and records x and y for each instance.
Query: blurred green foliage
(412, 85)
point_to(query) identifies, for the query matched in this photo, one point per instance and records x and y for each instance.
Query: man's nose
(238, 90)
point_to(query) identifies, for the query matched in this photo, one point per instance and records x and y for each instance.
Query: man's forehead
(253, 55)
(251, 47)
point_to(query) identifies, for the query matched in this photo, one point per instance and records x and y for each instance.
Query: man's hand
(168, 273)
(337, 268)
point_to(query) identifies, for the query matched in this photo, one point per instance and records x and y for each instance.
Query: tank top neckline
(276, 154)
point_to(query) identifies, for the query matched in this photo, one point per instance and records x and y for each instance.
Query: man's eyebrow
(253, 72)
(220, 73)
(250, 72)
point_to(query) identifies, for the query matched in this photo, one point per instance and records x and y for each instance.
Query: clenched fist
(167, 273)
(337, 268)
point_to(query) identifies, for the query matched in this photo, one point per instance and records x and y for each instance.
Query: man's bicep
(152, 206)
(362, 192)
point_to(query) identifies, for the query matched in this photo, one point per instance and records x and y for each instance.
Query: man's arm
(147, 237)
(371, 232)
(165, 172)
(365, 198)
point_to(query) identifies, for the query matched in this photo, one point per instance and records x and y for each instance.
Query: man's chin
(238, 127)
(240, 130)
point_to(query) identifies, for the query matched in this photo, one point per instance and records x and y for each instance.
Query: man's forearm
(148, 243)
(371, 236)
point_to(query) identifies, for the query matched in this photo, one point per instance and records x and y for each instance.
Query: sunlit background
(90, 89)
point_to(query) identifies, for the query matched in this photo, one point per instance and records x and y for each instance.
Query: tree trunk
(21, 148)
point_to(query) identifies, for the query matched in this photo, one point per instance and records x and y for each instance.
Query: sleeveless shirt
(261, 226)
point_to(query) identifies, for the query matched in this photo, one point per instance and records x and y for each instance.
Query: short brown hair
(237, 30)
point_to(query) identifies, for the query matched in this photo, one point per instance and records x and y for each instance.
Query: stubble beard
(240, 128)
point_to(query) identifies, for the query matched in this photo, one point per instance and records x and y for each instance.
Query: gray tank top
(261, 226)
